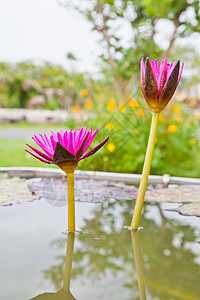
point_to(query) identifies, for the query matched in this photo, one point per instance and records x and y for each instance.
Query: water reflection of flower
(64, 293)
(112, 252)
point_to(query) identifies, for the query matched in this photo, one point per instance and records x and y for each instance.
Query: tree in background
(145, 19)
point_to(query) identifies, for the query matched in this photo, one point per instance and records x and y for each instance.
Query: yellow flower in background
(75, 108)
(193, 141)
(122, 109)
(89, 103)
(161, 117)
(84, 92)
(111, 105)
(156, 140)
(109, 126)
(141, 112)
(176, 108)
(133, 104)
(71, 84)
(172, 128)
(111, 147)
(177, 117)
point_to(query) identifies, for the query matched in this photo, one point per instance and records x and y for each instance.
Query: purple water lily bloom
(65, 149)
(159, 83)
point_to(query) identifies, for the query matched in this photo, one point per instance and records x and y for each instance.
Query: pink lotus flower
(159, 83)
(65, 149)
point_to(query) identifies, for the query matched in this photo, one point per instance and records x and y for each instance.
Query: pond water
(33, 253)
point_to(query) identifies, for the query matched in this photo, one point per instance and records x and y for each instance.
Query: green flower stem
(145, 172)
(68, 261)
(71, 204)
(138, 263)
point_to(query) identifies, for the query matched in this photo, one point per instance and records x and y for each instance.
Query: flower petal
(40, 153)
(95, 149)
(150, 87)
(169, 88)
(142, 75)
(81, 148)
(180, 73)
(39, 157)
(46, 149)
(61, 154)
(70, 146)
(162, 77)
(90, 139)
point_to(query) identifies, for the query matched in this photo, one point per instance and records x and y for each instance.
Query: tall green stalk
(71, 203)
(145, 173)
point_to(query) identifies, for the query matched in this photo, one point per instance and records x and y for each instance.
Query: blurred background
(68, 64)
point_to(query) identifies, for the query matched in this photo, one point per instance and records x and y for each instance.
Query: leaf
(191, 209)
(176, 195)
(86, 190)
(14, 190)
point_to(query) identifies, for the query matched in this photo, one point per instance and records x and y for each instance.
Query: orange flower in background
(161, 117)
(75, 108)
(133, 104)
(111, 147)
(84, 92)
(111, 105)
(176, 108)
(141, 112)
(109, 126)
(89, 103)
(172, 128)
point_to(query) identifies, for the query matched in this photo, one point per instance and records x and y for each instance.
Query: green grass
(12, 154)
(26, 125)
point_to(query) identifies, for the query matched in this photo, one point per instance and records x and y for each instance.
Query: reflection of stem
(71, 204)
(163, 224)
(145, 172)
(68, 261)
(138, 263)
